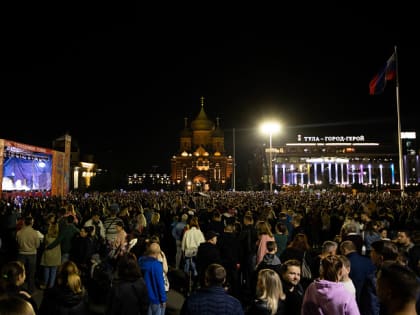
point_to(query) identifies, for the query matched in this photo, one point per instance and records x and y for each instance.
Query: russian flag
(387, 73)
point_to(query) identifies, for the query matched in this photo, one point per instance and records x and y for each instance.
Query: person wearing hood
(327, 295)
(270, 261)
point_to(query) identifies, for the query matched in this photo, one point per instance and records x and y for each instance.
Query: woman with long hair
(51, 258)
(191, 240)
(264, 235)
(270, 296)
(300, 249)
(68, 296)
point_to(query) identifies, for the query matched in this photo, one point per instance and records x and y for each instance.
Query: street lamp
(270, 128)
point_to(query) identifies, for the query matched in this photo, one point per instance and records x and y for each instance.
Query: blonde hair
(263, 227)
(141, 220)
(155, 218)
(270, 289)
(66, 269)
(74, 283)
(71, 209)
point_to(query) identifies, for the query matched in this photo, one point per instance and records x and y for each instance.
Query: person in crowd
(351, 232)
(128, 293)
(68, 296)
(397, 288)
(290, 278)
(381, 251)
(152, 270)
(228, 245)
(264, 235)
(384, 234)
(412, 251)
(163, 260)
(345, 278)
(300, 249)
(12, 279)
(119, 244)
(110, 223)
(96, 222)
(361, 266)
(191, 240)
(212, 299)
(370, 235)
(140, 231)
(270, 261)
(177, 233)
(326, 225)
(51, 258)
(247, 256)
(327, 248)
(270, 298)
(141, 227)
(157, 226)
(71, 211)
(14, 305)
(65, 238)
(124, 215)
(327, 295)
(281, 237)
(208, 253)
(216, 223)
(28, 241)
(82, 249)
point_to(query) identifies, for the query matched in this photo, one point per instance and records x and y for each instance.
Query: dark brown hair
(331, 267)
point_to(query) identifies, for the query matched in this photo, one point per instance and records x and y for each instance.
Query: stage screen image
(26, 170)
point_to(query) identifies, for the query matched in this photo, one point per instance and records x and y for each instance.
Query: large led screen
(26, 171)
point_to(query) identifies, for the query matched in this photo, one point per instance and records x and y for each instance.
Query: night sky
(120, 79)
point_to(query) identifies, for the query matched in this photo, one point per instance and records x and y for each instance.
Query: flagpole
(400, 153)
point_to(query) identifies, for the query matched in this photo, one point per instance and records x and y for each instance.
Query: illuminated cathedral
(201, 163)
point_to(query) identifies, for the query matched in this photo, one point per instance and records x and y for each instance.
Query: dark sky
(121, 78)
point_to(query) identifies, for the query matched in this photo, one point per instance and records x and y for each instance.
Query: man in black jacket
(208, 253)
(247, 257)
(290, 278)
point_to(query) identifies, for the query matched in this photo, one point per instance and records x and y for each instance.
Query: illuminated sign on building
(408, 135)
(302, 138)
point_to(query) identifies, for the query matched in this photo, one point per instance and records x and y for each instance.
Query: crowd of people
(294, 252)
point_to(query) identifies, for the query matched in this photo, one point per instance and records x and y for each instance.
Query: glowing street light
(270, 128)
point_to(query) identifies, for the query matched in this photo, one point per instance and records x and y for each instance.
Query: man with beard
(290, 278)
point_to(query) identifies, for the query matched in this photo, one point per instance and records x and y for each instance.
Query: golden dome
(201, 122)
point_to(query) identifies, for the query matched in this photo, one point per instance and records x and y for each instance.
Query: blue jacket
(211, 301)
(152, 270)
